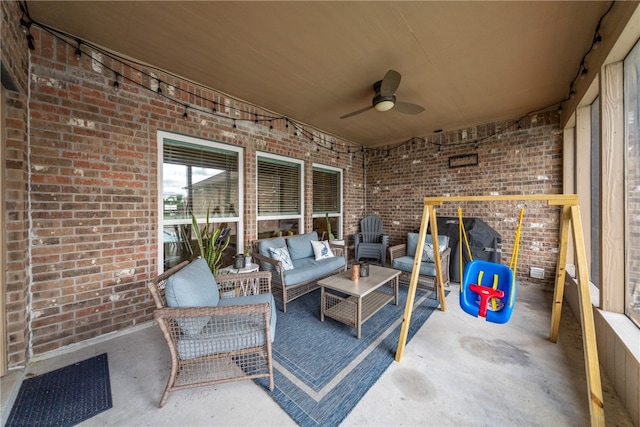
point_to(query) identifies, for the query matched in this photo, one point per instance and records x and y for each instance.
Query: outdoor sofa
(297, 262)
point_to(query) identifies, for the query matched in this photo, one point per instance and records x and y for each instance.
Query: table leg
(322, 303)
(396, 282)
(359, 318)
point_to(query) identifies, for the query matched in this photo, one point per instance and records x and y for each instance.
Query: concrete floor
(456, 371)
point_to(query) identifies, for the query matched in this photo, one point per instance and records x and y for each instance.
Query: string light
(300, 131)
(25, 26)
(116, 85)
(30, 42)
(582, 69)
(78, 51)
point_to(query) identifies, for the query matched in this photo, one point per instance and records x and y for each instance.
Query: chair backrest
(371, 224)
(157, 285)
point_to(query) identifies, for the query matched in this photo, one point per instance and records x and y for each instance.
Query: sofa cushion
(412, 242)
(265, 245)
(321, 249)
(192, 286)
(282, 255)
(300, 246)
(309, 269)
(405, 263)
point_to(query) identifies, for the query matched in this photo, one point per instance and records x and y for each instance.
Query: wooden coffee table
(364, 297)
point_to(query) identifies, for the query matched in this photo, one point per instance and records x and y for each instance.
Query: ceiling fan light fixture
(384, 103)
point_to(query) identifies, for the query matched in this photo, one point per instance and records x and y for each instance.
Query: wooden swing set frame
(570, 215)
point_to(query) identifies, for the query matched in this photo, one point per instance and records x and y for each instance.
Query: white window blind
(326, 191)
(278, 187)
(199, 177)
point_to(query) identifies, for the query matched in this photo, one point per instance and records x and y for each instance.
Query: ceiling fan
(385, 98)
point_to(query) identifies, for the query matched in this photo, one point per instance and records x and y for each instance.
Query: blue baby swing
(488, 289)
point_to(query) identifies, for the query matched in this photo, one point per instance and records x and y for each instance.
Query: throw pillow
(282, 254)
(427, 253)
(321, 249)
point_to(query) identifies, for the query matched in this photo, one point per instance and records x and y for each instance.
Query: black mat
(64, 397)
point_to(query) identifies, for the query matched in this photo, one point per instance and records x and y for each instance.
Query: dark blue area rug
(64, 397)
(322, 370)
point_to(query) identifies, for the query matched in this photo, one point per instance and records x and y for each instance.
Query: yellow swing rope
(463, 233)
(513, 263)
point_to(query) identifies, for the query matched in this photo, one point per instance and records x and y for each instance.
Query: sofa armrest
(397, 251)
(339, 250)
(276, 266)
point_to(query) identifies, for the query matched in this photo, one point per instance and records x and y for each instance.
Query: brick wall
(94, 186)
(15, 59)
(515, 161)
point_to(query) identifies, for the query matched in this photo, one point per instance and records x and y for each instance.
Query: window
(632, 184)
(279, 196)
(327, 200)
(199, 177)
(594, 274)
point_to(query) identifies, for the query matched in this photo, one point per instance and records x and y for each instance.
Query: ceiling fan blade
(408, 108)
(354, 113)
(390, 83)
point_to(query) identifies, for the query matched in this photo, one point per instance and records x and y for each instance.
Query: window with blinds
(326, 191)
(327, 201)
(278, 187)
(279, 196)
(199, 177)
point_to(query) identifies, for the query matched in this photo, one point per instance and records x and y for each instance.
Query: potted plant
(210, 245)
(332, 238)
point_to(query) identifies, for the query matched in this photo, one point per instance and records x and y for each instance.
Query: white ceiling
(464, 62)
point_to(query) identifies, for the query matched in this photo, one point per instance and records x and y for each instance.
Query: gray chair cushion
(192, 286)
(405, 263)
(256, 299)
(215, 339)
(412, 242)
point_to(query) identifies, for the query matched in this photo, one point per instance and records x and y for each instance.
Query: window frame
(195, 141)
(300, 216)
(339, 214)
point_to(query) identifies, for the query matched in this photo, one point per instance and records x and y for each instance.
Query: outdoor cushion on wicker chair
(213, 340)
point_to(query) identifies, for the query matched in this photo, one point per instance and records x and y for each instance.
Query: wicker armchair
(215, 344)
(402, 257)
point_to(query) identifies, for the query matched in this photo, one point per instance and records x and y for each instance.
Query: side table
(232, 292)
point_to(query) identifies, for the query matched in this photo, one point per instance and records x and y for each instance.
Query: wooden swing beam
(570, 215)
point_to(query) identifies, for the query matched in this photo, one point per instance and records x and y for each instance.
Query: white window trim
(162, 135)
(340, 214)
(263, 154)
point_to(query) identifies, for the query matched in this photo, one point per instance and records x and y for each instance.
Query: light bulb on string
(30, 42)
(25, 25)
(78, 51)
(116, 84)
